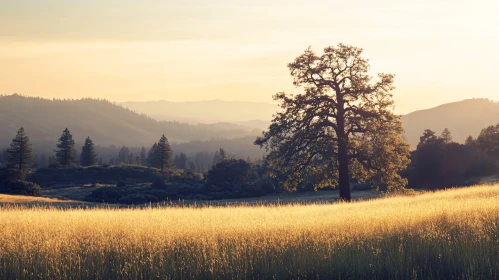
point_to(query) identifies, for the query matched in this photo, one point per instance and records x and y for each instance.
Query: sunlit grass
(448, 234)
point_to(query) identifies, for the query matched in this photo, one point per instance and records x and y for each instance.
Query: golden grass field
(450, 234)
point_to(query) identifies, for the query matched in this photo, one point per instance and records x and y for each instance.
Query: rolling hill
(105, 122)
(463, 118)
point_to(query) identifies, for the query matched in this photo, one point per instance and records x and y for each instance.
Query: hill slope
(463, 118)
(106, 123)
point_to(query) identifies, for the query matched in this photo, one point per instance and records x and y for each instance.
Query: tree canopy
(341, 127)
(88, 155)
(20, 155)
(65, 153)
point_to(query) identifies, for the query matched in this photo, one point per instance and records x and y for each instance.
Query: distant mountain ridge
(110, 124)
(105, 122)
(462, 118)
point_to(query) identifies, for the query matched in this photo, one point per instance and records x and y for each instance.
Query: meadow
(450, 234)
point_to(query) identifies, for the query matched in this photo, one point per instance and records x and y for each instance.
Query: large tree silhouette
(341, 127)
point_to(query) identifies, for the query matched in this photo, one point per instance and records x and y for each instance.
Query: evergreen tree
(65, 153)
(151, 159)
(163, 154)
(88, 155)
(20, 155)
(469, 141)
(182, 162)
(143, 157)
(446, 136)
(427, 138)
(123, 155)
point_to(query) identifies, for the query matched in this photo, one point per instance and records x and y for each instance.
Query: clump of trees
(438, 162)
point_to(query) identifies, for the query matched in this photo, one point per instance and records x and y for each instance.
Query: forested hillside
(106, 123)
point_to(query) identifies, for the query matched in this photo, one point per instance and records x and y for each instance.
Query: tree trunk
(344, 176)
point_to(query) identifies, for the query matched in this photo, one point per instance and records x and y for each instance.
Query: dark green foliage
(11, 174)
(151, 156)
(160, 155)
(65, 153)
(437, 165)
(342, 126)
(20, 187)
(181, 162)
(233, 178)
(88, 155)
(428, 137)
(87, 175)
(488, 141)
(19, 155)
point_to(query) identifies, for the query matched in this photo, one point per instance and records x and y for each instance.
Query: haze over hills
(245, 113)
(106, 123)
(110, 124)
(462, 118)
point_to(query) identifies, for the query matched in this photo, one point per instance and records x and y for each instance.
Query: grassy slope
(448, 234)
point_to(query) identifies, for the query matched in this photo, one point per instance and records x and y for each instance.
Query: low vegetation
(448, 234)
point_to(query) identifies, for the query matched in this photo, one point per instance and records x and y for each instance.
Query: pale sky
(124, 50)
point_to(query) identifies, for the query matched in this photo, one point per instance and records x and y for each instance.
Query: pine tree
(65, 153)
(88, 155)
(151, 159)
(181, 162)
(143, 157)
(163, 154)
(446, 136)
(469, 141)
(20, 155)
(123, 155)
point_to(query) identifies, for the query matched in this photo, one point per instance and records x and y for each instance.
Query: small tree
(20, 155)
(151, 156)
(163, 154)
(428, 137)
(88, 155)
(446, 136)
(65, 153)
(181, 162)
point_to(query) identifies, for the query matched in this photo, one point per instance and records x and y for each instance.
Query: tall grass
(444, 235)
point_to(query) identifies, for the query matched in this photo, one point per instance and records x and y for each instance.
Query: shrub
(20, 187)
(108, 194)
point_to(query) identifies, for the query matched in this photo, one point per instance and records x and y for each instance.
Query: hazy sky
(440, 50)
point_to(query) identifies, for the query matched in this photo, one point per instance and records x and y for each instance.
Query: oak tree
(341, 127)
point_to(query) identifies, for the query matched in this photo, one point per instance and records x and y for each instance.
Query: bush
(108, 194)
(20, 187)
(235, 178)
(11, 174)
